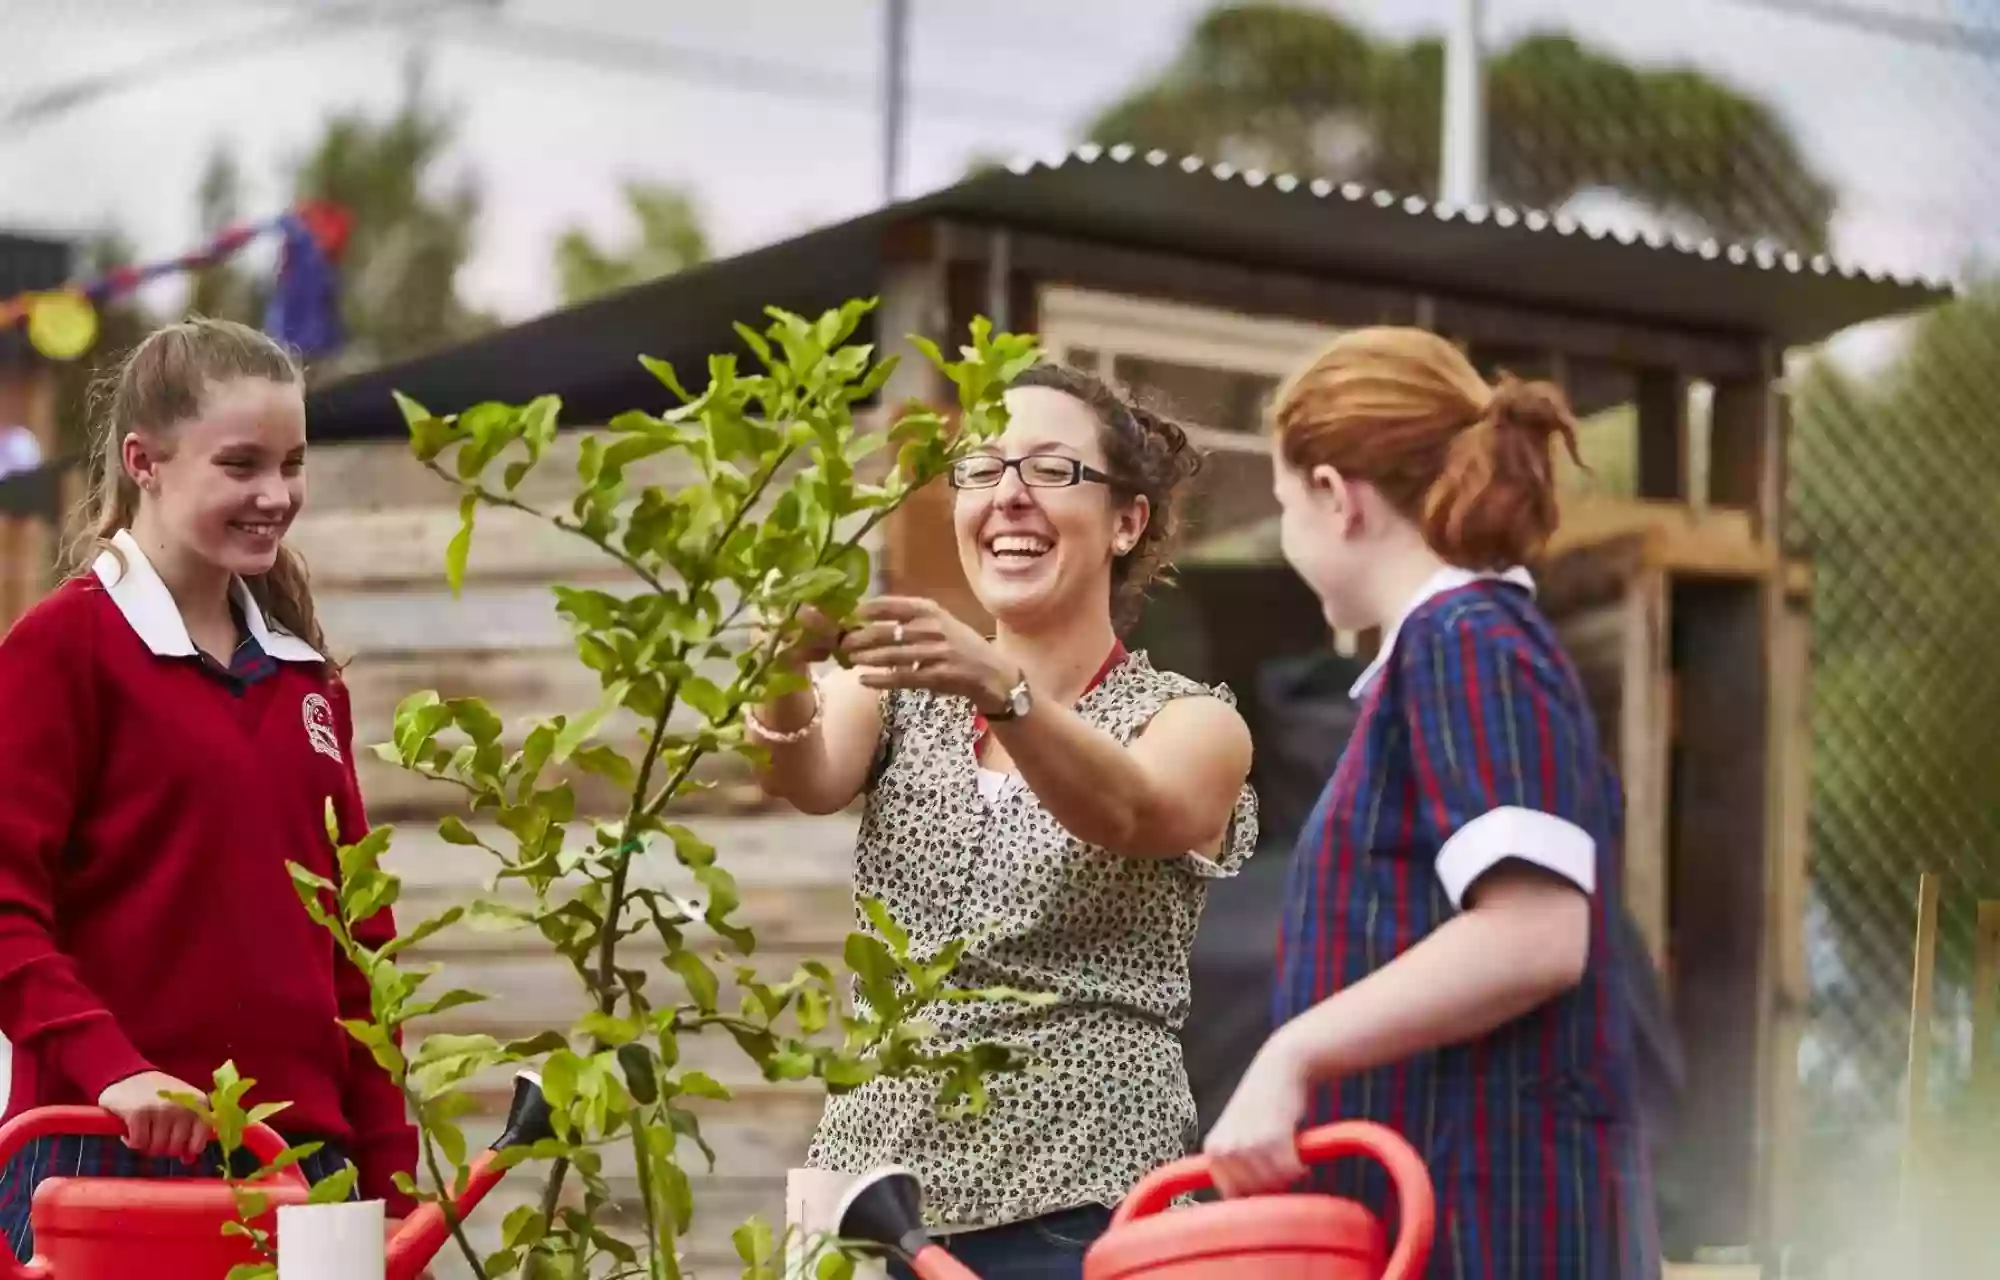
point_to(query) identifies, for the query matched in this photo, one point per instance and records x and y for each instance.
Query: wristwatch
(1019, 702)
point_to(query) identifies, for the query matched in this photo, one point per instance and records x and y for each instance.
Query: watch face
(1019, 701)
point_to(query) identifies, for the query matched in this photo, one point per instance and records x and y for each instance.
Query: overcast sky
(1909, 134)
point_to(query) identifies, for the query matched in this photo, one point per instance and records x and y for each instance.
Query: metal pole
(895, 59)
(1462, 176)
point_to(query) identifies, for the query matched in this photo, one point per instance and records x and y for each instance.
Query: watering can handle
(1414, 1198)
(261, 1141)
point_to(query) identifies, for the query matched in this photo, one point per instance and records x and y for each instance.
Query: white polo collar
(1446, 579)
(135, 587)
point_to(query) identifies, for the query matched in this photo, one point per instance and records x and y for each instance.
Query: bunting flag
(304, 310)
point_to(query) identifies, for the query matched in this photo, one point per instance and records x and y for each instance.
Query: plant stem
(451, 1221)
(639, 807)
(642, 1155)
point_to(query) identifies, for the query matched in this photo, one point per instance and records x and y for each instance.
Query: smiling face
(1033, 553)
(224, 485)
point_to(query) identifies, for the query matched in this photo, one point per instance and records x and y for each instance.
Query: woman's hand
(1253, 1148)
(155, 1126)
(816, 640)
(904, 642)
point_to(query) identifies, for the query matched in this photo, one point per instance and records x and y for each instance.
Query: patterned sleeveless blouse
(1104, 1096)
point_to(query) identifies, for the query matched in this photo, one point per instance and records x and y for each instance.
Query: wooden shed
(1206, 285)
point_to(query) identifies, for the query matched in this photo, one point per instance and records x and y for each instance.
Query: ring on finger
(896, 635)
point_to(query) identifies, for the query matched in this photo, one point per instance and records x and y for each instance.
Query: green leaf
(700, 979)
(335, 1188)
(665, 373)
(413, 413)
(699, 1084)
(876, 969)
(754, 1243)
(834, 1266)
(640, 1077)
(574, 732)
(613, 1031)
(690, 849)
(452, 830)
(705, 697)
(460, 547)
(523, 1226)
(885, 924)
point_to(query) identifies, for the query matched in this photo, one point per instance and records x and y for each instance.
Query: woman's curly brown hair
(1145, 453)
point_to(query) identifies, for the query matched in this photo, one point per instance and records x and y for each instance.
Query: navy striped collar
(1449, 578)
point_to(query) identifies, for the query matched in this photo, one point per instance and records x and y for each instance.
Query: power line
(38, 106)
(1937, 33)
(597, 51)
(746, 73)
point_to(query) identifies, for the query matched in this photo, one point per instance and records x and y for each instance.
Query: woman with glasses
(1048, 796)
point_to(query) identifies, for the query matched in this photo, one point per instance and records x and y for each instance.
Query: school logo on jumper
(319, 726)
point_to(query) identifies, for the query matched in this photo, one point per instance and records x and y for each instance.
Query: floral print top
(1104, 1098)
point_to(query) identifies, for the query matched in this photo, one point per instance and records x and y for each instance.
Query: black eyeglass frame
(1079, 472)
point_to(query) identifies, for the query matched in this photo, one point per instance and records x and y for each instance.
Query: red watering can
(1275, 1237)
(171, 1228)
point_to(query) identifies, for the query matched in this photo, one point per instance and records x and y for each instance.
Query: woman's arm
(823, 771)
(385, 1142)
(1171, 792)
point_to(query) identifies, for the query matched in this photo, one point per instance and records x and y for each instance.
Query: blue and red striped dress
(1474, 746)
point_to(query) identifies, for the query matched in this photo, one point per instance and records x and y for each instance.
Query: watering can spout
(886, 1209)
(423, 1234)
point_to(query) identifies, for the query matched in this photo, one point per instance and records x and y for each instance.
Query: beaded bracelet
(758, 729)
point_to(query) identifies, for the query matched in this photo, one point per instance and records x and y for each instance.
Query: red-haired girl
(1446, 966)
(171, 738)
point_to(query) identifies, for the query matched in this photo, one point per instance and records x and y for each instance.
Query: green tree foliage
(1281, 88)
(410, 240)
(226, 289)
(669, 238)
(399, 275)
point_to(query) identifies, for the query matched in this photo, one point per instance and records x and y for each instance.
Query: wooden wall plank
(483, 618)
(404, 547)
(385, 475)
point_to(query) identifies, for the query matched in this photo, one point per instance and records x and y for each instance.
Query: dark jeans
(1050, 1247)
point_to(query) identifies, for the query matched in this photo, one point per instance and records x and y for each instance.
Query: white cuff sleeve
(1552, 843)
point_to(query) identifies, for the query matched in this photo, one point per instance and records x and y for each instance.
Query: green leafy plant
(772, 520)
(226, 1116)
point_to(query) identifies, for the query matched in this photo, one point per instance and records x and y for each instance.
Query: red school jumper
(147, 919)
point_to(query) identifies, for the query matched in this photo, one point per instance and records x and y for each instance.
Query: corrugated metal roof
(1119, 196)
(1349, 230)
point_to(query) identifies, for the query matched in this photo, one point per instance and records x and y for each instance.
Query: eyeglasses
(1037, 471)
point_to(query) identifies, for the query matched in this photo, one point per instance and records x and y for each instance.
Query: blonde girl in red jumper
(173, 735)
